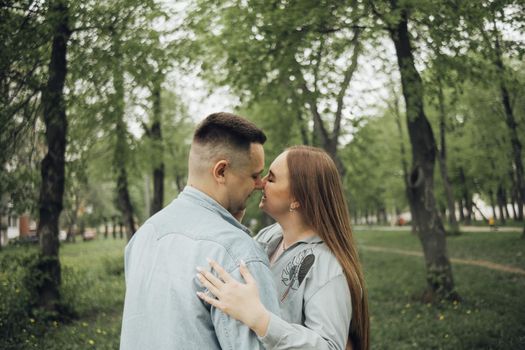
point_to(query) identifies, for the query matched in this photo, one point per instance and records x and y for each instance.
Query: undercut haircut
(228, 130)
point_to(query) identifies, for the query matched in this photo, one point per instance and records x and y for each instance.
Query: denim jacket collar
(196, 196)
(270, 246)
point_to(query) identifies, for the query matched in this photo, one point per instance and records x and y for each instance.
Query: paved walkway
(482, 263)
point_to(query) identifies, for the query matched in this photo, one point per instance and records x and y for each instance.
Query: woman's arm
(327, 313)
(326, 324)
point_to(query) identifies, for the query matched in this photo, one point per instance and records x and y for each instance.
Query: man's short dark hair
(228, 129)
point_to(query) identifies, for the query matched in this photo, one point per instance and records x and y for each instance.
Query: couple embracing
(196, 279)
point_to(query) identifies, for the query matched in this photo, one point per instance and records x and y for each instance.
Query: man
(161, 309)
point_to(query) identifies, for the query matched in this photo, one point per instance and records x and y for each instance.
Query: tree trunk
(3, 229)
(505, 203)
(321, 136)
(513, 128)
(303, 127)
(114, 227)
(121, 147)
(73, 220)
(440, 283)
(180, 182)
(515, 206)
(53, 164)
(158, 149)
(501, 204)
(106, 228)
(461, 210)
(454, 226)
(467, 200)
(404, 164)
(493, 204)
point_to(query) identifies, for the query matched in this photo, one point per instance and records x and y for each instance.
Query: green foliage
(16, 295)
(374, 178)
(92, 289)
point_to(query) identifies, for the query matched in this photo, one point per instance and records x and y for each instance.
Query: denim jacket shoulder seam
(324, 285)
(228, 250)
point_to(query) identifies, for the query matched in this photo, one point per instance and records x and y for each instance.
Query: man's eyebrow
(258, 172)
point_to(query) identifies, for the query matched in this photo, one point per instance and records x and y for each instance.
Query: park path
(462, 228)
(483, 263)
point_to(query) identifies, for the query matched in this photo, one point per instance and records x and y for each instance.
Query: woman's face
(276, 199)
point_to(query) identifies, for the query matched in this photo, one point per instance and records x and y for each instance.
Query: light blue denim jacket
(161, 309)
(316, 305)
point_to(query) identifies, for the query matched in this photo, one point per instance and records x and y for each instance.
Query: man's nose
(260, 183)
(264, 181)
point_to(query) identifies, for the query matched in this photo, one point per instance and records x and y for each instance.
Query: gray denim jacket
(315, 301)
(161, 308)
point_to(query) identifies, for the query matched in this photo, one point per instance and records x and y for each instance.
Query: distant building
(18, 227)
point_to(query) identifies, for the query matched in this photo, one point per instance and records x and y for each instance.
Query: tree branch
(318, 63)
(346, 82)
(312, 102)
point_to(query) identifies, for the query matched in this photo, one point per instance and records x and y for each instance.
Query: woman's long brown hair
(315, 183)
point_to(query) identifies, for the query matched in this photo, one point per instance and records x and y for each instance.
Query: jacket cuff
(275, 332)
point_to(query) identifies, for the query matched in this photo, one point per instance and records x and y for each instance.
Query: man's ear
(219, 170)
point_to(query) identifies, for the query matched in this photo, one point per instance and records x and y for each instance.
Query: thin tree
(53, 164)
(440, 283)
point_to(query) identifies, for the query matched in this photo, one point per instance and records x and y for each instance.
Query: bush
(114, 266)
(16, 297)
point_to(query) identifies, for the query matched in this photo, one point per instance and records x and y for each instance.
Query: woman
(312, 256)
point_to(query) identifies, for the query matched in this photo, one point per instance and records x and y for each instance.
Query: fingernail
(199, 294)
(243, 263)
(208, 259)
(198, 268)
(198, 275)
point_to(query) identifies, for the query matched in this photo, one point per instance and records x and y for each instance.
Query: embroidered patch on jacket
(295, 272)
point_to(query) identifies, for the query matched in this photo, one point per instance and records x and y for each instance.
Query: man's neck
(206, 190)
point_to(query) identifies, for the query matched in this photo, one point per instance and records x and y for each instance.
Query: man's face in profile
(244, 180)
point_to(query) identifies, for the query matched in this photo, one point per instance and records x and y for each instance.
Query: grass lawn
(506, 248)
(491, 315)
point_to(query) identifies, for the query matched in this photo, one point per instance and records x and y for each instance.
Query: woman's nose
(264, 180)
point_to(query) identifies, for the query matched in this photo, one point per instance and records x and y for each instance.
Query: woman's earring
(291, 208)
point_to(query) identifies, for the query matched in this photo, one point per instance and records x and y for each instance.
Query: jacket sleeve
(231, 333)
(327, 316)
